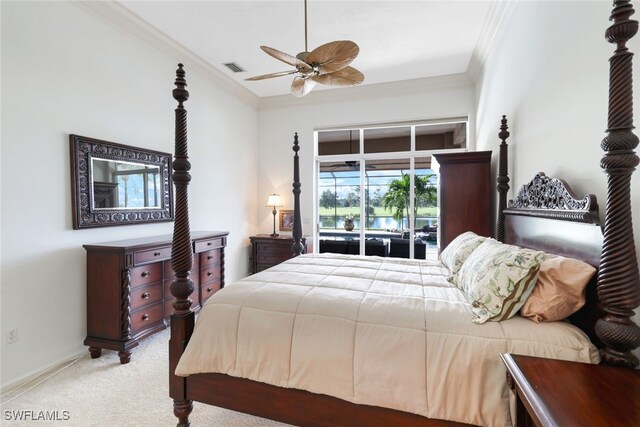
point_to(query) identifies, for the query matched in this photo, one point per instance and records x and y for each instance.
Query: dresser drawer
(205, 245)
(150, 255)
(272, 259)
(210, 257)
(275, 249)
(145, 295)
(209, 274)
(207, 290)
(145, 274)
(146, 317)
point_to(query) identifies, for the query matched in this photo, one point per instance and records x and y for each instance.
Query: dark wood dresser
(128, 296)
(268, 251)
(559, 393)
(465, 192)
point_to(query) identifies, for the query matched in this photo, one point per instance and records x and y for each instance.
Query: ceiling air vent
(234, 67)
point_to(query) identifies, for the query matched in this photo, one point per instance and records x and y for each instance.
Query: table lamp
(274, 201)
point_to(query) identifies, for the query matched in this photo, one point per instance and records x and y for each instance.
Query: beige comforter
(369, 330)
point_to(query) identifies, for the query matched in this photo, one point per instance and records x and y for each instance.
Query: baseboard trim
(25, 380)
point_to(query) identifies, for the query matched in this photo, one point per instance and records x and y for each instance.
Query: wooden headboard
(547, 216)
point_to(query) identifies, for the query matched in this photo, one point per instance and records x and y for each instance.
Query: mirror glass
(115, 184)
(124, 185)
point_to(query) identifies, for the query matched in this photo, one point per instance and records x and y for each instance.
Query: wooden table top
(561, 393)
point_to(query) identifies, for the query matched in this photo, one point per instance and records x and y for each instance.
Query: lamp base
(274, 235)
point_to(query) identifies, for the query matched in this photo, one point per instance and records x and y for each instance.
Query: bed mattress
(370, 330)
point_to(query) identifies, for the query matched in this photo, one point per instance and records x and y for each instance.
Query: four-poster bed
(545, 216)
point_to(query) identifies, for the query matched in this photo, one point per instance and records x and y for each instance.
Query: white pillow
(455, 254)
(498, 278)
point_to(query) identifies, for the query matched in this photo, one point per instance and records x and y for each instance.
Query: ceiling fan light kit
(327, 64)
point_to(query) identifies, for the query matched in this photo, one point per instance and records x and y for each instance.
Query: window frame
(363, 157)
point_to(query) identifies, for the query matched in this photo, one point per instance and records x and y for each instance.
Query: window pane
(425, 210)
(386, 195)
(338, 142)
(387, 140)
(339, 206)
(441, 136)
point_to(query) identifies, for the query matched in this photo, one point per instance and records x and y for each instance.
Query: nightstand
(268, 251)
(559, 393)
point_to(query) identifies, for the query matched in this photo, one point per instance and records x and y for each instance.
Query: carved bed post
(618, 280)
(503, 177)
(182, 320)
(297, 246)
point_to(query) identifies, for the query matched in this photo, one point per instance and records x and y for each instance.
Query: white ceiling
(398, 39)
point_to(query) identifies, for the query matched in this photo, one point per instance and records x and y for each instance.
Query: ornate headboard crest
(553, 198)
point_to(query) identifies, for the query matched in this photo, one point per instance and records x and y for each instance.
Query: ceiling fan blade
(347, 76)
(269, 76)
(301, 86)
(333, 56)
(286, 58)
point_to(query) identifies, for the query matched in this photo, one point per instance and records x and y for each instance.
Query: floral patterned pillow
(455, 254)
(498, 278)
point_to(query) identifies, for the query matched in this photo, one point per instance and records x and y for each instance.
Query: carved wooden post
(125, 313)
(503, 178)
(297, 246)
(182, 320)
(618, 280)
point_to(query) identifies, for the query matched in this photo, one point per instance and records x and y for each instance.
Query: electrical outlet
(12, 335)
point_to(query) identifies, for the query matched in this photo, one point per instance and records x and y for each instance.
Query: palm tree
(396, 199)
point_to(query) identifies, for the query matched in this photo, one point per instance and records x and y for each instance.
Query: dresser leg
(95, 352)
(125, 357)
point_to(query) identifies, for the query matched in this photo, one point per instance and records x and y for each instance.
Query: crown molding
(497, 16)
(399, 88)
(119, 16)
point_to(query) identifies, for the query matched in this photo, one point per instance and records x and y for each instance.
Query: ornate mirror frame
(85, 213)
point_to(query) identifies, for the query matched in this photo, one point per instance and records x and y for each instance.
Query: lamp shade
(274, 200)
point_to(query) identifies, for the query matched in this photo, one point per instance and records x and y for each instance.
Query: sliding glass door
(376, 192)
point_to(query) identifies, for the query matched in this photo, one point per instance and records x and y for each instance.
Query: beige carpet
(101, 392)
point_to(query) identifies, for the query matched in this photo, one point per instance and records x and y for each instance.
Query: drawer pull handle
(209, 273)
(145, 317)
(209, 289)
(146, 274)
(156, 254)
(209, 256)
(209, 243)
(145, 295)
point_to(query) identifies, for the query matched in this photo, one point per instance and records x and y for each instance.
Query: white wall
(420, 99)
(549, 74)
(64, 70)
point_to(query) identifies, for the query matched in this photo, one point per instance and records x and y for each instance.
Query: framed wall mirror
(115, 184)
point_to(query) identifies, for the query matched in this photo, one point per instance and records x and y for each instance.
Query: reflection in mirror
(115, 184)
(122, 185)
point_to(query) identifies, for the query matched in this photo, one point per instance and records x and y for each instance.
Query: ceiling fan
(327, 64)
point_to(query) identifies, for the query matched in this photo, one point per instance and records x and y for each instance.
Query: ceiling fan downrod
(306, 48)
